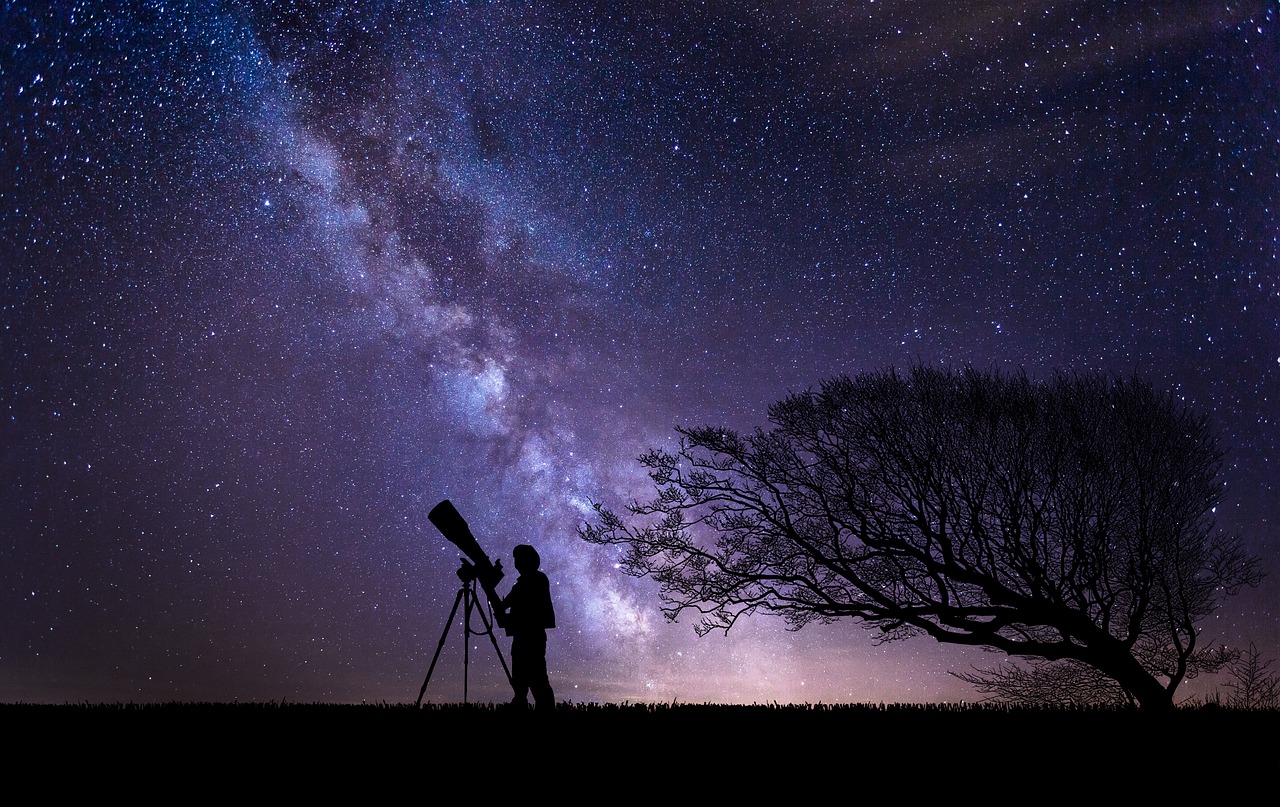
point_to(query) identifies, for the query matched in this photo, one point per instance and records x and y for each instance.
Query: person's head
(526, 558)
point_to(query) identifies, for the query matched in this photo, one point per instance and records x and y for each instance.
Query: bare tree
(1068, 521)
(1037, 681)
(1069, 682)
(1252, 684)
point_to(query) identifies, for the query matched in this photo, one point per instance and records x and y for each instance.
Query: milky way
(279, 277)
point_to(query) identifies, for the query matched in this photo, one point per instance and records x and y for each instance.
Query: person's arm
(502, 611)
(546, 610)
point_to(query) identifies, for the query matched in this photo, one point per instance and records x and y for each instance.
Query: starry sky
(278, 277)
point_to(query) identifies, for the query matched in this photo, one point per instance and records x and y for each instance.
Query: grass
(607, 716)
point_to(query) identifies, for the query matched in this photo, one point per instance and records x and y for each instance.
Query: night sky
(279, 277)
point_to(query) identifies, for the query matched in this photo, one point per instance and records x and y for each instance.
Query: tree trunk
(1151, 695)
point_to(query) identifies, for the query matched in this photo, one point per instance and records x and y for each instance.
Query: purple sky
(277, 281)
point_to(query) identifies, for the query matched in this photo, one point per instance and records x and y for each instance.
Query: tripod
(467, 597)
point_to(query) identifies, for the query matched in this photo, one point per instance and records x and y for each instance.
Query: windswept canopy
(1069, 520)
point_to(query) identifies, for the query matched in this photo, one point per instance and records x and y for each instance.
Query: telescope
(453, 526)
(476, 567)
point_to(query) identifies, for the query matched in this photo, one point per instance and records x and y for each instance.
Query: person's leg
(520, 670)
(538, 681)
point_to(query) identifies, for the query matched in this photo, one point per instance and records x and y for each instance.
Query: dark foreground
(853, 724)
(930, 748)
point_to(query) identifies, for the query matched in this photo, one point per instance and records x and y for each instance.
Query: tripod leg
(488, 627)
(469, 599)
(443, 635)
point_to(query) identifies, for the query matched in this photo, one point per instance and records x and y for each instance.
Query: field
(877, 737)
(630, 753)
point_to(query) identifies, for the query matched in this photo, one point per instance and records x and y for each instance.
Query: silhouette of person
(528, 615)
